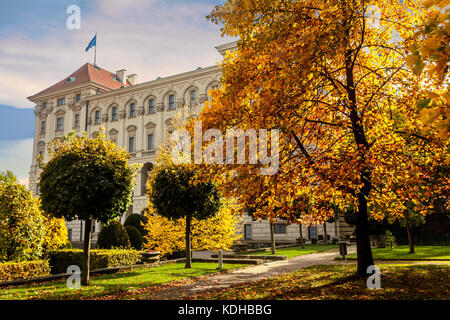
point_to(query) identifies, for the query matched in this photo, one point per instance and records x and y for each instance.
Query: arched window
(132, 109)
(172, 101)
(145, 171)
(97, 118)
(151, 106)
(114, 113)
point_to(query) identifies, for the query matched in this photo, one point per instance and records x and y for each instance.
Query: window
(43, 126)
(97, 117)
(78, 97)
(131, 144)
(279, 228)
(60, 124)
(247, 232)
(44, 105)
(172, 102)
(215, 87)
(150, 141)
(77, 120)
(69, 234)
(132, 110)
(151, 106)
(192, 96)
(61, 101)
(41, 152)
(114, 114)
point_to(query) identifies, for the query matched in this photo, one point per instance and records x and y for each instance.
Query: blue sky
(148, 37)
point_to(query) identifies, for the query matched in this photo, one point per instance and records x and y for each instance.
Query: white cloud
(149, 38)
(16, 157)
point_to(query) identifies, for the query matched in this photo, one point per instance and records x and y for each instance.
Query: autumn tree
(22, 228)
(7, 177)
(86, 179)
(331, 76)
(217, 232)
(175, 194)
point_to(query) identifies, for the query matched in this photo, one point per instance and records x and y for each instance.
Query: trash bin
(343, 249)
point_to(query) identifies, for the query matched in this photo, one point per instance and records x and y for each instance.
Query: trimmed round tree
(174, 194)
(86, 179)
(113, 235)
(138, 221)
(136, 239)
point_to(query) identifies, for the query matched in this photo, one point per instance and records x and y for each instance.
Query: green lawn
(401, 252)
(112, 283)
(298, 251)
(333, 282)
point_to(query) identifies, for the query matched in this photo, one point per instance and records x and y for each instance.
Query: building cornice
(158, 82)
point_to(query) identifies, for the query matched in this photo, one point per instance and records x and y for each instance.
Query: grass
(402, 252)
(334, 282)
(112, 283)
(298, 251)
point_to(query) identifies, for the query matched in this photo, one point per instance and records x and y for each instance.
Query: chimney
(132, 79)
(122, 75)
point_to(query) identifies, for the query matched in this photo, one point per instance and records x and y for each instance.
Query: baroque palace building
(139, 118)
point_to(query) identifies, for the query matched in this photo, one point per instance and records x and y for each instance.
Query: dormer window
(61, 101)
(70, 79)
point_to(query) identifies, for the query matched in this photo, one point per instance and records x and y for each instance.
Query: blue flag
(92, 43)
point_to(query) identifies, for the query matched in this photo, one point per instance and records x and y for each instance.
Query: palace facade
(139, 118)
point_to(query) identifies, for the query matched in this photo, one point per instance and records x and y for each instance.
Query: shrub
(24, 270)
(390, 240)
(55, 234)
(137, 221)
(136, 239)
(22, 226)
(113, 235)
(99, 259)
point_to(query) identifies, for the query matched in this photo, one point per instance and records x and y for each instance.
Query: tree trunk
(86, 252)
(410, 237)
(363, 249)
(188, 243)
(325, 235)
(302, 242)
(272, 238)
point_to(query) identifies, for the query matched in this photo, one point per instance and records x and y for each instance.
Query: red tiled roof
(85, 74)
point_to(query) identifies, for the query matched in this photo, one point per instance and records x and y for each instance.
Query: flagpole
(95, 54)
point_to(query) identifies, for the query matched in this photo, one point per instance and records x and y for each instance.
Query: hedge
(24, 270)
(99, 259)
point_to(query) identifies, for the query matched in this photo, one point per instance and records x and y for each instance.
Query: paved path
(190, 287)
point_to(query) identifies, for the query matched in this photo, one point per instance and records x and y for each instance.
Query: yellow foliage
(55, 234)
(168, 236)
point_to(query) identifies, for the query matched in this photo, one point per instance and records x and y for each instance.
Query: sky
(152, 38)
